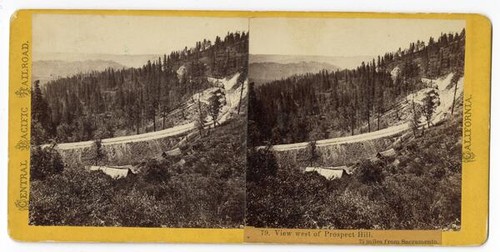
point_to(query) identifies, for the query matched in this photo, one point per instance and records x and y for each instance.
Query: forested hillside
(419, 189)
(133, 100)
(191, 175)
(202, 187)
(331, 104)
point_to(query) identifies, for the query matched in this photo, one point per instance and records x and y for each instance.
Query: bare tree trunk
(163, 123)
(241, 97)
(369, 125)
(378, 121)
(138, 125)
(352, 127)
(454, 97)
(154, 122)
(415, 121)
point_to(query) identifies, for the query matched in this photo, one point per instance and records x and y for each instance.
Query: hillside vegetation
(191, 175)
(418, 186)
(347, 102)
(134, 100)
(421, 190)
(202, 187)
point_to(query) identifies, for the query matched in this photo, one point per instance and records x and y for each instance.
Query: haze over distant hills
(133, 60)
(51, 66)
(265, 68)
(47, 70)
(341, 62)
(262, 68)
(263, 72)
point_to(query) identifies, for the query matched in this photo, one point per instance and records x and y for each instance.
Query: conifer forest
(198, 137)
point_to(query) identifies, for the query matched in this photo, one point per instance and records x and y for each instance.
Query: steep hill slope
(371, 97)
(133, 100)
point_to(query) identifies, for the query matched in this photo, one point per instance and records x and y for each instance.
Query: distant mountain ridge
(128, 60)
(47, 70)
(342, 62)
(262, 72)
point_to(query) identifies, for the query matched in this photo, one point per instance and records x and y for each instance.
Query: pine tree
(431, 102)
(99, 153)
(152, 111)
(201, 119)
(40, 123)
(312, 153)
(216, 102)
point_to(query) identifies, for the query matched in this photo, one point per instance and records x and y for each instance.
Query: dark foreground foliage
(422, 191)
(204, 187)
(45, 162)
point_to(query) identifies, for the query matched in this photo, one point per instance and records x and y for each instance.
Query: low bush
(206, 190)
(422, 191)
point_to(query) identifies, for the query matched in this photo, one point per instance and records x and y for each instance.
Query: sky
(131, 35)
(139, 35)
(342, 37)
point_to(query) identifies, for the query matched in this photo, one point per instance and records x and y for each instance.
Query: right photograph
(355, 123)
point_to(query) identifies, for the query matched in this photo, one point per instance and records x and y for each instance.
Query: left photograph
(138, 121)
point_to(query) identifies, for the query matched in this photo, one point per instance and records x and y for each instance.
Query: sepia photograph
(355, 123)
(138, 121)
